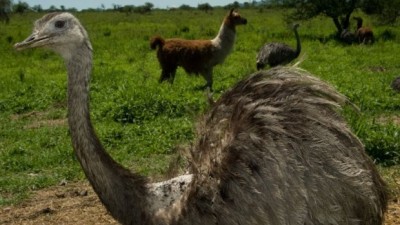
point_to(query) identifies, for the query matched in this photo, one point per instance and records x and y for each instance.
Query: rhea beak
(34, 40)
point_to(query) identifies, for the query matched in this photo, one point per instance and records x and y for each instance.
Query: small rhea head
(57, 31)
(295, 26)
(260, 65)
(234, 18)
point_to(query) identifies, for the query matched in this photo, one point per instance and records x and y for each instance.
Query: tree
(37, 8)
(20, 7)
(116, 7)
(387, 10)
(185, 7)
(146, 8)
(204, 7)
(52, 8)
(5, 9)
(340, 10)
(390, 11)
(337, 10)
(127, 9)
(148, 5)
(234, 5)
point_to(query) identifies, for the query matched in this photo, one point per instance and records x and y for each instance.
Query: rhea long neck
(121, 192)
(298, 46)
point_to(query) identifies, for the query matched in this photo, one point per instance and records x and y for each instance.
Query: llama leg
(172, 75)
(168, 73)
(207, 74)
(164, 76)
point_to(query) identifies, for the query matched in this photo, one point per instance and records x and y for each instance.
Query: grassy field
(143, 123)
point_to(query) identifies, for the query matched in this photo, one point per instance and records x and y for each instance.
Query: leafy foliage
(387, 10)
(5, 9)
(333, 9)
(340, 10)
(20, 7)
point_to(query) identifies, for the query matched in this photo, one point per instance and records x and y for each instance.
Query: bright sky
(84, 4)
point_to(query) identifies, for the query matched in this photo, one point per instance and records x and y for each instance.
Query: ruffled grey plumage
(275, 150)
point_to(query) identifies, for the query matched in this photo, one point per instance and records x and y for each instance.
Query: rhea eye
(59, 24)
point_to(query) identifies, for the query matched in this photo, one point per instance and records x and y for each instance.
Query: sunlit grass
(141, 122)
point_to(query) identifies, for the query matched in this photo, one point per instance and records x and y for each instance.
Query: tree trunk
(337, 24)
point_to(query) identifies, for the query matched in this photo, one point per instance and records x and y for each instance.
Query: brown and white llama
(364, 35)
(197, 56)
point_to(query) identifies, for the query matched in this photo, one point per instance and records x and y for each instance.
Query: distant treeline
(21, 7)
(387, 10)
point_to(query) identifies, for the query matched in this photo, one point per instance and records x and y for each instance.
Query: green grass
(140, 121)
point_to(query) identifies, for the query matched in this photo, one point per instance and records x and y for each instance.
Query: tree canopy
(335, 9)
(5, 9)
(341, 10)
(204, 7)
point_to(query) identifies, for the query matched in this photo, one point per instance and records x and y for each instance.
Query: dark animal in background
(197, 56)
(346, 35)
(364, 35)
(272, 150)
(274, 54)
(396, 84)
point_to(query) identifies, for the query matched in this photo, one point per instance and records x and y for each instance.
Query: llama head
(234, 18)
(359, 21)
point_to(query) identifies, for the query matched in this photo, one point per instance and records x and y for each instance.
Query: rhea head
(61, 32)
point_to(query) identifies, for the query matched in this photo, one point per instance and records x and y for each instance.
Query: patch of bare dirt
(395, 119)
(68, 204)
(38, 119)
(377, 69)
(393, 213)
(46, 123)
(76, 203)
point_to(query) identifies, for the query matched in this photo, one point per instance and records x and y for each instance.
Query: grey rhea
(274, 54)
(346, 35)
(273, 150)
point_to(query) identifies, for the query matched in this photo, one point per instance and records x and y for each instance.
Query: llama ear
(232, 10)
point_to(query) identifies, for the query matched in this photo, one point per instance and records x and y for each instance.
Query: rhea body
(276, 53)
(273, 151)
(347, 36)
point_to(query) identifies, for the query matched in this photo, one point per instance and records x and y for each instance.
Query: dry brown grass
(394, 119)
(39, 119)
